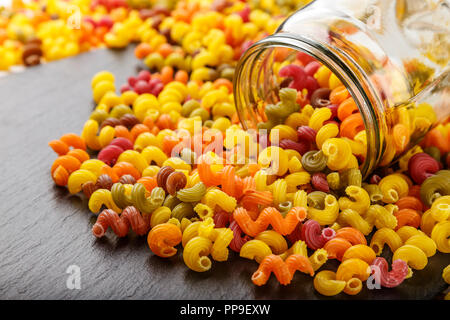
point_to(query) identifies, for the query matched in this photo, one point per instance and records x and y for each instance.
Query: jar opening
(270, 66)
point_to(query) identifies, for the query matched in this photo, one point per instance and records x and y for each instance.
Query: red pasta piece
(222, 219)
(421, 166)
(110, 154)
(314, 236)
(123, 143)
(301, 147)
(393, 278)
(297, 74)
(319, 182)
(295, 235)
(306, 134)
(130, 217)
(238, 239)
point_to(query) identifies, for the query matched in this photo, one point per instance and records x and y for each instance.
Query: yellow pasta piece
(318, 258)
(352, 218)
(102, 197)
(326, 284)
(159, 216)
(360, 251)
(359, 200)
(78, 178)
(385, 236)
(412, 255)
(441, 236)
(274, 240)
(393, 187)
(255, 250)
(328, 215)
(423, 242)
(215, 197)
(195, 254)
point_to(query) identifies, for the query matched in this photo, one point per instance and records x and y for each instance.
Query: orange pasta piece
(339, 94)
(354, 236)
(59, 147)
(123, 168)
(163, 238)
(67, 162)
(270, 216)
(137, 130)
(122, 132)
(74, 141)
(346, 108)
(409, 202)
(297, 262)
(148, 182)
(60, 176)
(80, 154)
(407, 217)
(110, 172)
(400, 133)
(336, 248)
(272, 263)
(351, 125)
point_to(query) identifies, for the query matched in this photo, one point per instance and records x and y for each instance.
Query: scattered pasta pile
(174, 164)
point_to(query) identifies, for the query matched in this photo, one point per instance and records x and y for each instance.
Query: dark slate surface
(44, 230)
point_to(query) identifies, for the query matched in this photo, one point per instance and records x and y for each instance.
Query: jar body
(393, 57)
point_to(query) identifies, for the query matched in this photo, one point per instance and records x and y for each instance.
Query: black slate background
(44, 230)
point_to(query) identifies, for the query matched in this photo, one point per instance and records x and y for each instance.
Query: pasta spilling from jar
(174, 164)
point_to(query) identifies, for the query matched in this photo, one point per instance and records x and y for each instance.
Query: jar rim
(343, 66)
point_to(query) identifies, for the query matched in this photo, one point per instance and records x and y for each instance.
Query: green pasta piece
(352, 177)
(189, 106)
(277, 113)
(144, 204)
(119, 197)
(374, 192)
(171, 201)
(99, 116)
(119, 111)
(334, 180)
(183, 210)
(193, 194)
(435, 187)
(433, 152)
(314, 161)
(284, 207)
(316, 199)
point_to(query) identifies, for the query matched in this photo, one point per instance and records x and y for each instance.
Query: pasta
(162, 239)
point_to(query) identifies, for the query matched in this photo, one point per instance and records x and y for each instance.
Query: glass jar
(392, 55)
